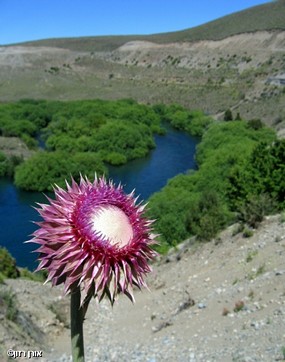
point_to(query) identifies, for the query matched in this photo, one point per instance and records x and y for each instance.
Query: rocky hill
(235, 62)
(220, 301)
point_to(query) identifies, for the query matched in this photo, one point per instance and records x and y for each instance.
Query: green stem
(76, 320)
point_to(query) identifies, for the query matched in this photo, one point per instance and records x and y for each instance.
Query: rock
(201, 305)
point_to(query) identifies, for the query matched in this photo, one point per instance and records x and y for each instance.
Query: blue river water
(174, 154)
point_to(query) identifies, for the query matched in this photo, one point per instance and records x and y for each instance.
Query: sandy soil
(220, 301)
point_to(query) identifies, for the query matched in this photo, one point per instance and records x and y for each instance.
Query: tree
(44, 169)
(238, 117)
(228, 116)
(207, 216)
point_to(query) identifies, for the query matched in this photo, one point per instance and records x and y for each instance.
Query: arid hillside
(244, 72)
(219, 301)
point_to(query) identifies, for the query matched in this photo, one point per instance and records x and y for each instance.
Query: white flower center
(113, 224)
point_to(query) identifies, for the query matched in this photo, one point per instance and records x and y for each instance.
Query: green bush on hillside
(203, 201)
(3, 164)
(39, 276)
(8, 266)
(207, 216)
(8, 305)
(254, 208)
(261, 174)
(8, 164)
(114, 131)
(238, 176)
(120, 138)
(118, 130)
(194, 122)
(44, 169)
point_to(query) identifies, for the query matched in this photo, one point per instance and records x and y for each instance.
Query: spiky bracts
(94, 236)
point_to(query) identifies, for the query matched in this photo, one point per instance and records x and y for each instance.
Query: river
(174, 154)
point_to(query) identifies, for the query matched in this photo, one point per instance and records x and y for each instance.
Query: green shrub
(168, 208)
(3, 164)
(2, 279)
(30, 142)
(247, 233)
(262, 173)
(283, 352)
(228, 116)
(44, 169)
(8, 164)
(194, 122)
(39, 276)
(8, 304)
(207, 216)
(255, 124)
(203, 202)
(116, 131)
(8, 266)
(239, 306)
(251, 255)
(115, 158)
(253, 211)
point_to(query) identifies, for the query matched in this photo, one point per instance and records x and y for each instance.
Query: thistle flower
(95, 237)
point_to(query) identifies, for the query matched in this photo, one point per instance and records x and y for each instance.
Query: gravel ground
(220, 301)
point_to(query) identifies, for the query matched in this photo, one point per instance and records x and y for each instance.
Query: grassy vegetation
(241, 164)
(8, 305)
(203, 202)
(80, 136)
(83, 136)
(262, 17)
(8, 164)
(9, 269)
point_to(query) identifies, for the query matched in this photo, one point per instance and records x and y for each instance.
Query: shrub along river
(174, 154)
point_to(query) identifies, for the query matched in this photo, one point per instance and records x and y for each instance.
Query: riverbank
(14, 146)
(174, 154)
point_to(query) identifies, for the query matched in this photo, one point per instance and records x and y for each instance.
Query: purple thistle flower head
(94, 236)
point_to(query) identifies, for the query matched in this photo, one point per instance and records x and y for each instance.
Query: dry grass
(268, 16)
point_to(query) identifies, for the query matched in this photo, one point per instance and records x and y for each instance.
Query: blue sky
(23, 20)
